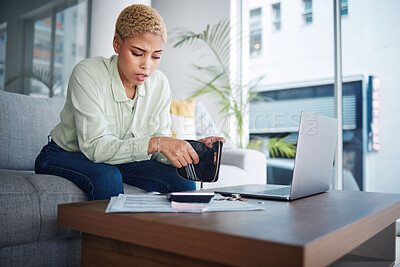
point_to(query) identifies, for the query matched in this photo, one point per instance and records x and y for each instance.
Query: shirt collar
(117, 88)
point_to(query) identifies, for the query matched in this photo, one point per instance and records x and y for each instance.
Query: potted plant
(41, 75)
(233, 96)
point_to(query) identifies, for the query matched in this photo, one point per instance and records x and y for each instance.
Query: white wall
(104, 16)
(177, 63)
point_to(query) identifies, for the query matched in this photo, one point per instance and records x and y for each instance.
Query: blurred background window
(298, 65)
(276, 17)
(59, 42)
(307, 14)
(3, 42)
(255, 32)
(344, 8)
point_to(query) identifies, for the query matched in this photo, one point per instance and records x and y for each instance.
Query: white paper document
(159, 203)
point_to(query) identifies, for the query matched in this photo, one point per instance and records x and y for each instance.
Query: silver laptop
(316, 146)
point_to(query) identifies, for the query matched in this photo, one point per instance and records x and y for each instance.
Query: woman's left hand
(209, 141)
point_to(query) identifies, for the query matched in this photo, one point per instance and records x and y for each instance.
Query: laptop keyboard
(282, 191)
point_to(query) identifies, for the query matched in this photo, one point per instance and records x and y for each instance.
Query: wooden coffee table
(330, 228)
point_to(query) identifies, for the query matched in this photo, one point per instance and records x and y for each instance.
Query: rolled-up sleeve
(164, 127)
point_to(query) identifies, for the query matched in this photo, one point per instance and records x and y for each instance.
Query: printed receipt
(159, 203)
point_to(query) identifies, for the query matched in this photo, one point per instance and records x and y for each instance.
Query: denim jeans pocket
(53, 147)
(48, 151)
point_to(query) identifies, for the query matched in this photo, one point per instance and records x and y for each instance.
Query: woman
(115, 123)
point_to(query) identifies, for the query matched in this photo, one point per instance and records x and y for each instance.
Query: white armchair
(238, 166)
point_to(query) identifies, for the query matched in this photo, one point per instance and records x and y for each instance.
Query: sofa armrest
(253, 162)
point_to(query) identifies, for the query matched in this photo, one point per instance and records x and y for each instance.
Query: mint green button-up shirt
(100, 121)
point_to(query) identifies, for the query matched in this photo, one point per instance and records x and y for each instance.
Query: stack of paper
(159, 203)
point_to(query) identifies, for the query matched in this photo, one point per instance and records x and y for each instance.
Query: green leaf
(279, 147)
(217, 79)
(39, 74)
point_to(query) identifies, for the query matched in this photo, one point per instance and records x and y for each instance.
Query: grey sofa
(29, 235)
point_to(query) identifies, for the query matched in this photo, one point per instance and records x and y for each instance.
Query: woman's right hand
(179, 152)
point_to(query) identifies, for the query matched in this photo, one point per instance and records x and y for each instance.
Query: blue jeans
(101, 180)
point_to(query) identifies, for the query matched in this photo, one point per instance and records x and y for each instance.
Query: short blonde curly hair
(135, 20)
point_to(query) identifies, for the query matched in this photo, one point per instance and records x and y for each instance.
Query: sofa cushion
(205, 126)
(30, 202)
(182, 119)
(229, 176)
(130, 189)
(19, 210)
(25, 123)
(53, 190)
(65, 252)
